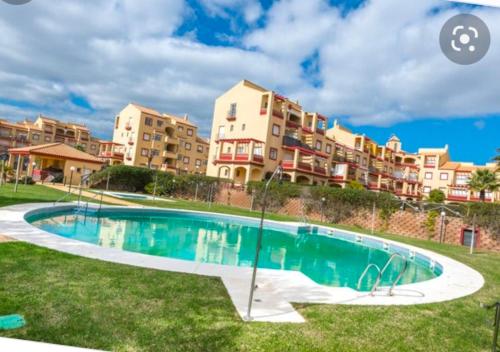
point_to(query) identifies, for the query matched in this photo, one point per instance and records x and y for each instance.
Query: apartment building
(386, 167)
(165, 142)
(46, 130)
(254, 130)
(439, 172)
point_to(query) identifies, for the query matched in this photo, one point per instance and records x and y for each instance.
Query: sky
(375, 65)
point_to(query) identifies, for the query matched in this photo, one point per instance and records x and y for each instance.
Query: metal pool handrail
(381, 273)
(366, 271)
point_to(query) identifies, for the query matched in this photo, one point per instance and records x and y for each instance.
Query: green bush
(436, 196)
(337, 204)
(123, 178)
(184, 186)
(22, 180)
(487, 216)
(278, 193)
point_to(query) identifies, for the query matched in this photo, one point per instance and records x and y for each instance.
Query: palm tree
(497, 159)
(482, 181)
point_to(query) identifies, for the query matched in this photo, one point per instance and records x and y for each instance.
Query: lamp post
(441, 226)
(278, 172)
(156, 184)
(323, 200)
(71, 169)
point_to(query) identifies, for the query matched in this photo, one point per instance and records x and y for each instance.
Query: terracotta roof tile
(57, 150)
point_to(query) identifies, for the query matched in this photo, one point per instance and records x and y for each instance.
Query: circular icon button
(16, 2)
(465, 39)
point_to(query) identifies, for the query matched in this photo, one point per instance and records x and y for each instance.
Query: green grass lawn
(77, 301)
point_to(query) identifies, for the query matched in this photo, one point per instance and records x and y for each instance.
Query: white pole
(473, 238)
(2, 172)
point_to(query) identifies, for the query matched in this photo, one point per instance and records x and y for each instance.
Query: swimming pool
(328, 257)
(134, 196)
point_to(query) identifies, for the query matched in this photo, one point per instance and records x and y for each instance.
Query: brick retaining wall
(405, 223)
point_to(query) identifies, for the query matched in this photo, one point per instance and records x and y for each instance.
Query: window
(243, 127)
(180, 128)
(231, 128)
(157, 137)
(187, 146)
(276, 130)
(146, 137)
(273, 153)
(226, 172)
(365, 161)
(318, 145)
(257, 149)
(221, 133)
(155, 152)
(428, 175)
(430, 161)
(232, 110)
(186, 160)
(189, 131)
(443, 176)
(36, 137)
(199, 148)
(117, 122)
(159, 123)
(47, 139)
(328, 148)
(148, 121)
(357, 159)
(180, 157)
(241, 149)
(93, 147)
(427, 189)
(197, 162)
(144, 152)
(228, 150)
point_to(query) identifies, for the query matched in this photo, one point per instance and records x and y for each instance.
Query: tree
(80, 147)
(482, 181)
(437, 196)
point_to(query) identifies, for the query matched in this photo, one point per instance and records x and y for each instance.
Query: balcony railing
(294, 142)
(304, 166)
(277, 114)
(320, 170)
(263, 111)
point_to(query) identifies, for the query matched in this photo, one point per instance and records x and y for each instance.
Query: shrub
(436, 196)
(340, 203)
(123, 178)
(22, 180)
(278, 193)
(183, 186)
(430, 223)
(487, 216)
(355, 185)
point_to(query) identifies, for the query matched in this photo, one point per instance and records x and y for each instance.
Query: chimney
(186, 117)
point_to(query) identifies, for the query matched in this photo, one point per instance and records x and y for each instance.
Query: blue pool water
(329, 258)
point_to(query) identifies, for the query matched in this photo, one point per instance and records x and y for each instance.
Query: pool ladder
(381, 273)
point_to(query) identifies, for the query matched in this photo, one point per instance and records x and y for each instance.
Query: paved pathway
(105, 198)
(4, 238)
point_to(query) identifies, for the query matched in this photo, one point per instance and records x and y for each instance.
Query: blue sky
(375, 65)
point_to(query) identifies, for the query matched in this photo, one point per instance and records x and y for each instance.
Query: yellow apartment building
(439, 172)
(159, 141)
(379, 167)
(255, 129)
(46, 130)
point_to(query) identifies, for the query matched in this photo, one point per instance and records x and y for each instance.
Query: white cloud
(379, 65)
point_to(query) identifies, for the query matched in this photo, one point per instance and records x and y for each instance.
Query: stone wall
(405, 223)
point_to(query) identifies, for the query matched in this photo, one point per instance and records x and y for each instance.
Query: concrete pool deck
(277, 289)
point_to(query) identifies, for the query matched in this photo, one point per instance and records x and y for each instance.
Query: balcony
(128, 127)
(263, 111)
(457, 198)
(320, 131)
(169, 154)
(292, 124)
(277, 114)
(373, 185)
(320, 170)
(295, 143)
(304, 166)
(231, 118)
(307, 130)
(111, 155)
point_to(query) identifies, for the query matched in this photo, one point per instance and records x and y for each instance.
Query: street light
(323, 200)
(71, 169)
(33, 164)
